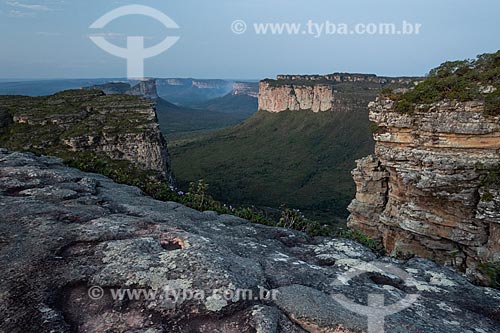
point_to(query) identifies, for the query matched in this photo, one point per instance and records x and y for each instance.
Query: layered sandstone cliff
(85, 126)
(246, 88)
(334, 92)
(432, 187)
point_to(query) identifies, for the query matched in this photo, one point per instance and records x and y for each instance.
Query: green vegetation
(120, 171)
(489, 180)
(363, 239)
(198, 198)
(462, 81)
(242, 106)
(492, 103)
(63, 124)
(177, 122)
(487, 196)
(52, 120)
(112, 87)
(294, 219)
(300, 159)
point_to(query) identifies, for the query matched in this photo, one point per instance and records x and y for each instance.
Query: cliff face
(211, 84)
(334, 92)
(69, 240)
(188, 92)
(87, 125)
(145, 88)
(432, 187)
(246, 88)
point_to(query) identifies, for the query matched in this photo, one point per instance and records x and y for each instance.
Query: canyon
(246, 88)
(289, 153)
(430, 190)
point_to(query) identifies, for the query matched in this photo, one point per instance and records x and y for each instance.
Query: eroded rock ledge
(62, 231)
(82, 125)
(431, 188)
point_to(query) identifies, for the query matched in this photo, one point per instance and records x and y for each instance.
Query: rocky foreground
(63, 231)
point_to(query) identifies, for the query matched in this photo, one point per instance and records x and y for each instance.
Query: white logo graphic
(239, 27)
(376, 311)
(135, 53)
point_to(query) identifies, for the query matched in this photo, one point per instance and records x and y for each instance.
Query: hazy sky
(49, 38)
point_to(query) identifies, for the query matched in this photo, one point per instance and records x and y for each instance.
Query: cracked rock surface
(64, 232)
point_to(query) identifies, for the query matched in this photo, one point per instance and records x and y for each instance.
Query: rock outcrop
(334, 92)
(84, 125)
(145, 88)
(70, 240)
(431, 189)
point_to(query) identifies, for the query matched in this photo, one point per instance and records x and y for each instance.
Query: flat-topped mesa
(88, 127)
(200, 84)
(334, 92)
(432, 188)
(145, 88)
(211, 84)
(348, 77)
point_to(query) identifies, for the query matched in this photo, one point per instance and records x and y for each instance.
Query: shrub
(254, 216)
(404, 106)
(492, 103)
(374, 128)
(198, 198)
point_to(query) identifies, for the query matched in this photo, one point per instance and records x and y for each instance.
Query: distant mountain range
(46, 87)
(193, 92)
(176, 90)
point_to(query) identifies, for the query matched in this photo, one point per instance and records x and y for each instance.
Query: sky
(50, 38)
